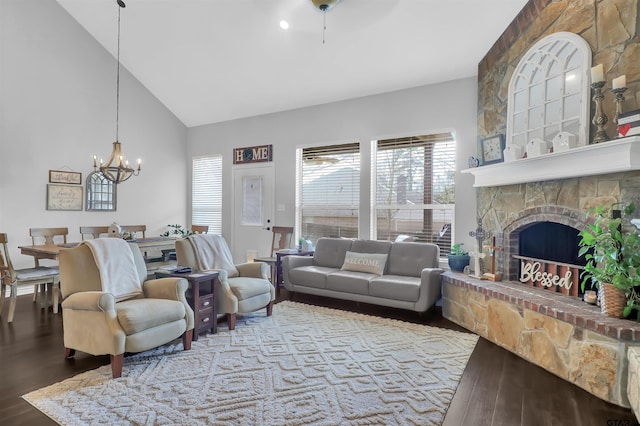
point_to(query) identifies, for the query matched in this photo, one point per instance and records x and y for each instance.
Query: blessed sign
(531, 272)
(253, 154)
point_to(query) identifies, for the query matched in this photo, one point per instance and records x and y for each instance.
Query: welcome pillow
(372, 263)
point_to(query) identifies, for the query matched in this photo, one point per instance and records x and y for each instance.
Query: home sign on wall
(253, 154)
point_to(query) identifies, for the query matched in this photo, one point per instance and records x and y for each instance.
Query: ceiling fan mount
(324, 5)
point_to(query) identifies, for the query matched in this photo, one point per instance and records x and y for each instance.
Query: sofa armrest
(430, 288)
(170, 289)
(96, 301)
(165, 288)
(293, 261)
(254, 269)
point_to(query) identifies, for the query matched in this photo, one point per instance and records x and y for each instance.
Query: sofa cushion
(349, 282)
(310, 276)
(330, 252)
(137, 315)
(409, 259)
(372, 263)
(396, 287)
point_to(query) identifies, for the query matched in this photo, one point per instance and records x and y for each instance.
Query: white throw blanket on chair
(212, 252)
(117, 267)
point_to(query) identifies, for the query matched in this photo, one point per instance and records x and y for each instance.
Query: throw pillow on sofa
(372, 263)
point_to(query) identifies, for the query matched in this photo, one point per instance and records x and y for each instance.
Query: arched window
(549, 91)
(101, 193)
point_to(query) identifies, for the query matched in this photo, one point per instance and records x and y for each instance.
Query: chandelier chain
(118, 77)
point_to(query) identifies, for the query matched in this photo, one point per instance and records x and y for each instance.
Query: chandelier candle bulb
(597, 73)
(620, 82)
(94, 161)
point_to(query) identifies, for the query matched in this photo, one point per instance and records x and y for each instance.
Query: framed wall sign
(492, 149)
(60, 176)
(253, 154)
(64, 197)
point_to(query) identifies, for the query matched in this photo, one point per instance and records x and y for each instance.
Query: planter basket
(612, 300)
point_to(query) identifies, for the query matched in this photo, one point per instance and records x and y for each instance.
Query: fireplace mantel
(619, 155)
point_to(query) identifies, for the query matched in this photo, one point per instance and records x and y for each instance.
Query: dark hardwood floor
(497, 388)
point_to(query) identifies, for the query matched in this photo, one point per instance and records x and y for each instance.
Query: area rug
(305, 365)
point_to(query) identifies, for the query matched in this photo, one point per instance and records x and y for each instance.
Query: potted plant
(177, 231)
(458, 258)
(613, 260)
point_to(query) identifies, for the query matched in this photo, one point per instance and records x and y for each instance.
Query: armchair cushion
(137, 315)
(246, 287)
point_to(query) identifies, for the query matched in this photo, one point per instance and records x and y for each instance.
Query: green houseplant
(458, 258)
(177, 231)
(613, 259)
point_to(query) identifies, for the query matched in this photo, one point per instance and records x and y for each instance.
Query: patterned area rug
(305, 365)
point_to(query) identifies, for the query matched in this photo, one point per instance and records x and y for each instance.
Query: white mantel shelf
(618, 155)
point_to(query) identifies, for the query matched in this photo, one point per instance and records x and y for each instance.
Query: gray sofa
(410, 279)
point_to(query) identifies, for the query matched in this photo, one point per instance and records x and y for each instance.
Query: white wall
(416, 111)
(57, 109)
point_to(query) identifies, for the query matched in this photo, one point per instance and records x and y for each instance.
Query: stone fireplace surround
(559, 333)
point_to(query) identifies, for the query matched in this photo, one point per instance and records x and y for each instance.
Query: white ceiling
(217, 60)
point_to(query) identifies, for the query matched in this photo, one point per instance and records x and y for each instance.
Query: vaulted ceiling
(216, 60)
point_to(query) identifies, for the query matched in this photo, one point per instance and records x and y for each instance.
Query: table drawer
(205, 319)
(205, 303)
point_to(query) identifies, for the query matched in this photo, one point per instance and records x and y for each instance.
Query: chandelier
(117, 168)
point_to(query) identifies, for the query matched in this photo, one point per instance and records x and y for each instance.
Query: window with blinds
(328, 191)
(206, 193)
(413, 189)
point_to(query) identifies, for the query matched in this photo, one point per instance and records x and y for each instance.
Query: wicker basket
(612, 300)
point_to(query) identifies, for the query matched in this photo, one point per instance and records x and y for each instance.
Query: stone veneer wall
(609, 26)
(611, 29)
(559, 333)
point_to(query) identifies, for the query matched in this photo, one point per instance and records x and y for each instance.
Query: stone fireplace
(549, 327)
(556, 331)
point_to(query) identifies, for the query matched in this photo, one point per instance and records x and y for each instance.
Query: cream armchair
(243, 288)
(110, 308)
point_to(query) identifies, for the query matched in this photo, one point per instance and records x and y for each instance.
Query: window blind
(328, 191)
(413, 188)
(206, 193)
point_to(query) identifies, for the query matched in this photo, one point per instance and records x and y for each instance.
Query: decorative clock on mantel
(492, 149)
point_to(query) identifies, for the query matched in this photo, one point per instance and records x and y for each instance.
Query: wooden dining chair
(280, 239)
(133, 229)
(46, 236)
(93, 231)
(40, 276)
(199, 229)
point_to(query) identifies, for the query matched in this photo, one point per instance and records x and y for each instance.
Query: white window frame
(206, 192)
(538, 61)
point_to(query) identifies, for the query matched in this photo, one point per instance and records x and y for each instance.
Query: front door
(252, 211)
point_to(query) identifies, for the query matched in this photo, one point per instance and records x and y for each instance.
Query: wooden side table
(279, 255)
(202, 294)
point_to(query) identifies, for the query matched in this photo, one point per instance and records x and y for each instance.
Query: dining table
(51, 251)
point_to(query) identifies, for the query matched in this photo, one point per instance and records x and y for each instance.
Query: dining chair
(39, 276)
(280, 240)
(133, 229)
(199, 229)
(46, 236)
(93, 231)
